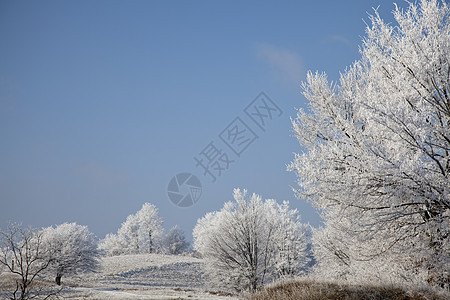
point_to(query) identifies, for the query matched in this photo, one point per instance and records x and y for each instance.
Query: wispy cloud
(285, 65)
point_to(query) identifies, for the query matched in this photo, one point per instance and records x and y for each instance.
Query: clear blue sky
(102, 102)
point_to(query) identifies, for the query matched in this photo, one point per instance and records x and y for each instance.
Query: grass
(315, 290)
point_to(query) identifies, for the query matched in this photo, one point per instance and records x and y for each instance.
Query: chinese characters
(217, 156)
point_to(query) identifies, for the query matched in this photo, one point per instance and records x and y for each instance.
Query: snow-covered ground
(143, 276)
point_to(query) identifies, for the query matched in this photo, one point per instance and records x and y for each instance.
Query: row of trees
(376, 164)
(70, 249)
(143, 233)
(251, 242)
(377, 154)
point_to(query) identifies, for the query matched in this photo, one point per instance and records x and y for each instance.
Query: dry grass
(39, 286)
(8, 282)
(314, 290)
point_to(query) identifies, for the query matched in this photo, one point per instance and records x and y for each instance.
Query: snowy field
(143, 276)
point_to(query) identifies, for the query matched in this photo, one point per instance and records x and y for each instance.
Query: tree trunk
(150, 242)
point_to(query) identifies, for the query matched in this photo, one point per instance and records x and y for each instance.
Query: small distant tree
(22, 253)
(129, 234)
(72, 249)
(150, 226)
(246, 243)
(140, 233)
(112, 245)
(174, 242)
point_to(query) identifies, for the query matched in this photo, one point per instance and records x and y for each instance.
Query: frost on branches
(22, 254)
(174, 242)
(140, 233)
(30, 255)
(377, 162)
(71, 249)
(251, 242)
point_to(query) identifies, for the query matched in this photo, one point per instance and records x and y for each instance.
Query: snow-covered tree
(113, 245)
(150, 226)
(129, 234)
(291, 240)
(22, 254)
(377, 156)
(71, 249)
(140, 233)
(174, 242)
(246, 243)
(33, 254)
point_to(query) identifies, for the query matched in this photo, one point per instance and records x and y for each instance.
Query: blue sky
(103, 102)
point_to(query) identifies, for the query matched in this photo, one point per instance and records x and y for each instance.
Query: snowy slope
(143, 276)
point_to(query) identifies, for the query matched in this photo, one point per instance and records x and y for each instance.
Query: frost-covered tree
(140, 233)
(377, 157)
(22, 254)
(71, 249)
(150, 226)
(246, 243)
(128, 233)
(113, 245)
(32, 254)
(292, 241)
(174, 242)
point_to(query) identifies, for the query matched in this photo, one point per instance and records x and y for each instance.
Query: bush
(316, 290)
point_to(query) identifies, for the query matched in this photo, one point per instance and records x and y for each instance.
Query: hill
(141, 276)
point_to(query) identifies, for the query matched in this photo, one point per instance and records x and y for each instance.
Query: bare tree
(22, 253)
